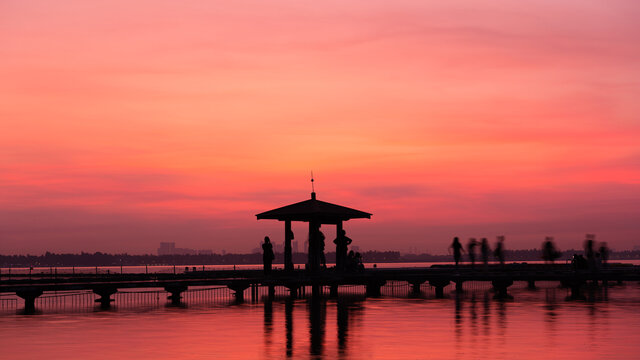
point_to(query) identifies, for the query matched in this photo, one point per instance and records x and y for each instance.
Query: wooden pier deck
(29, 287)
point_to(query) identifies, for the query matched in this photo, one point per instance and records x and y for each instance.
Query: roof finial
(313, 190)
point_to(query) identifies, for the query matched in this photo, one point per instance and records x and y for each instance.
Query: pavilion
(316, 213)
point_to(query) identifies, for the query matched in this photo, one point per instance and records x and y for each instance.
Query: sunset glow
(129, 123)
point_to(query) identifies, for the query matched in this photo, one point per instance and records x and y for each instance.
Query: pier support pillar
(238, 290)
(254, 292)
(293, 291)
(316, 291)
(288, 236)
(531, 284)
(500, 287)
(272, 292)
(459, 286)
(415, 287)
(105, 293)
(439, 284)
(373, 287)
(176, 291)
(333, 292)
(576, 288)
(29, 296)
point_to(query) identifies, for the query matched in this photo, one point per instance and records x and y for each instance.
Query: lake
(537, 323)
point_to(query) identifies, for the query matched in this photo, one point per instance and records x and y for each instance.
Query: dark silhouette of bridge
(297, 281)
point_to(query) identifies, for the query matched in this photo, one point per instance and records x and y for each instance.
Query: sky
(128, 123)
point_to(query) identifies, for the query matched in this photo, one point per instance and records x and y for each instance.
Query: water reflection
(348, 311)
(466, 325)
(479, 322)
(288, 324)
(343, 325)
(268, 324)
(317, 324)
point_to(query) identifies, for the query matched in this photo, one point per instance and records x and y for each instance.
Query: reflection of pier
(247, 281)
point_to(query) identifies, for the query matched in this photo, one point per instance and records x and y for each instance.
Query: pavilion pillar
(341, 251)
(314, 256)
(288, 258)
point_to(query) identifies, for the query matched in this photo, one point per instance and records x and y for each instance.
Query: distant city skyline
(125, 127)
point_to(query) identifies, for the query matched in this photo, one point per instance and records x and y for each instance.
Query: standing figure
(549, 252)
(342, 242)
(471, 251)
(604, 253)
(457, 250)
(485, 250)
(267, 255)
(359, 264)
(499, 250)
(351, 261)
(589, 252)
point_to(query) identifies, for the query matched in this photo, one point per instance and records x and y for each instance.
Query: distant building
(205, 252)
(167, 248)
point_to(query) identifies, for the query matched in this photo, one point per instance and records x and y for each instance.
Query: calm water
(535, 324)
(539, 323)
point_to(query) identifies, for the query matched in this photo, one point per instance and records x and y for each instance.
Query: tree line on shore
(105, 259)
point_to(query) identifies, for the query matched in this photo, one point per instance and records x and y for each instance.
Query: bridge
(29, 287)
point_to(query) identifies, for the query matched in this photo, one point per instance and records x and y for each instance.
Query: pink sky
(127, 123)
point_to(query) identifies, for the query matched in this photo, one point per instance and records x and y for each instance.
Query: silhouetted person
(589, 252)
(471, 251)
(549, 252)
(604, 253)
(579, 262)
(267, 255)
(342, 242)
(358, 262)
(499, 250)
(485, 250)
(316, 248)
(457, 250)
(351, 261)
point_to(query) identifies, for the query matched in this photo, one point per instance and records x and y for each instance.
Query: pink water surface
(536, 324)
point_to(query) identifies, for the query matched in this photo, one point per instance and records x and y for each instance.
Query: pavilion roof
(316, 210)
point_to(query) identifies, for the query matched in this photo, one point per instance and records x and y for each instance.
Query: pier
(30, 287)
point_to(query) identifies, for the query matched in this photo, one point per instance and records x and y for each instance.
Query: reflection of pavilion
(316, 213)
(347, 310)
